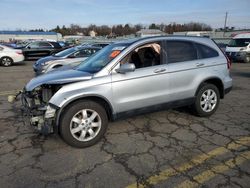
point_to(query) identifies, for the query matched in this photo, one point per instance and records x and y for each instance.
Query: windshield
(99, 60)
(239, 42)
(65, 52)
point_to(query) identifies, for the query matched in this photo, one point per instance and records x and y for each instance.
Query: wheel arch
(5, 57)
(215, 81)
(96, 98)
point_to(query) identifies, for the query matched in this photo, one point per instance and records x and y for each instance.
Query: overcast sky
(47, 14)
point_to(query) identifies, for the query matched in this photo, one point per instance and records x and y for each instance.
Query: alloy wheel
(208, 100)
(85, 125)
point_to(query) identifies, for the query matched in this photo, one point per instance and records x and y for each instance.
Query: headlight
(50, 112)
(45, 63)
(244, 48)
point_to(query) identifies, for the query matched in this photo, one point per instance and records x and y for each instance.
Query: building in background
(218, 35)
(92, 33)
(9, 36)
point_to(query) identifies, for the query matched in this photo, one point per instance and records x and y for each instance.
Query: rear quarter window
(206, 52)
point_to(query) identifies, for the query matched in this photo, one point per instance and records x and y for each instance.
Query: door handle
(199, 64)
(159, 70)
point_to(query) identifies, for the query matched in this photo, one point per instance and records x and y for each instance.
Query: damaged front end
(36, 105)
(38, 92)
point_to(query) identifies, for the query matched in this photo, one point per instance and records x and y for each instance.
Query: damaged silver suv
(128, 78)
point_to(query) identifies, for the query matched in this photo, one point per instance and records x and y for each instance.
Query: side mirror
(127, 67)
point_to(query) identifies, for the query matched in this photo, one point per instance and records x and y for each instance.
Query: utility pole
(225, 24)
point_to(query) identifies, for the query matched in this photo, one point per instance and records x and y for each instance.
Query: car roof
(176, 37)
(242, 35)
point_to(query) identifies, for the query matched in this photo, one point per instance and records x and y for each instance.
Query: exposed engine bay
(35, 105)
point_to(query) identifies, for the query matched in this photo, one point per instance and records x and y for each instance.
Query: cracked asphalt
(165, 149)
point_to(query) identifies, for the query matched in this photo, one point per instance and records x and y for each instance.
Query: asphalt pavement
(170, 148)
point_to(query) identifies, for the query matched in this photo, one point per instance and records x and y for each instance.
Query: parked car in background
(128, 78)
(38, 49)
(238, 48)
(222, 46)
(71, 56)
(97, 44)
(8, 56)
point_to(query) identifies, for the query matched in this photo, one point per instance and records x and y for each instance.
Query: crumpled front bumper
(42, 117)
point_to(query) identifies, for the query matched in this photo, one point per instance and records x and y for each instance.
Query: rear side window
(179, 51)
(206, 52)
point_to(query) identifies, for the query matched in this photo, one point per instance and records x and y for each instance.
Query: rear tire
(83, 124)
(207, 100)
(6, 61)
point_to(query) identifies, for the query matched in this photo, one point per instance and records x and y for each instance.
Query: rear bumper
(227, 90)
(18, 58)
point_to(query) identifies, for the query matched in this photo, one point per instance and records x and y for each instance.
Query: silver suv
(128, 78)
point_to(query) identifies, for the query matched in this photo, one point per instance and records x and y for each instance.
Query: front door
(148, 85)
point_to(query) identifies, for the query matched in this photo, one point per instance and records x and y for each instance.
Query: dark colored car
(38, 49)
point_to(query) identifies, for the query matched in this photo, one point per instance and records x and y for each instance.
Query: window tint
(239, 42)
(178, 51)
(33, 45)
(206, 52)
(44, 45)
(83, 53)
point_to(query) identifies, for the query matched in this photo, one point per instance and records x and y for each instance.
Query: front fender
(94, 87)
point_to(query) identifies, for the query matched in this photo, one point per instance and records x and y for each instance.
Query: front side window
(33, 45)
(44, 45)
(180, 51)
(145, 56)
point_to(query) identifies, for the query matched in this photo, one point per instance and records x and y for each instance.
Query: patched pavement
(165, 149)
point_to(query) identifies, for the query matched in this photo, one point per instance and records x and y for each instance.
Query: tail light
(229, 63)
(19, 52)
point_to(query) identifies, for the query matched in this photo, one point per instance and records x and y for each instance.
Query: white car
(8, 56)
(238, 48)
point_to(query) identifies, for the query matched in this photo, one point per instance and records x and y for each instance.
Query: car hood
(58, 77)
(46, 59)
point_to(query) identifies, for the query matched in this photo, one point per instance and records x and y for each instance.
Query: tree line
(128, 29)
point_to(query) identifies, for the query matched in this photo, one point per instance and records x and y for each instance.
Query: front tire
(207, 100)
(83, 124)
(6, 61)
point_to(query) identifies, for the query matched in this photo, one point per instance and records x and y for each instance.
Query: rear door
(189, 63)
(183, 66)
